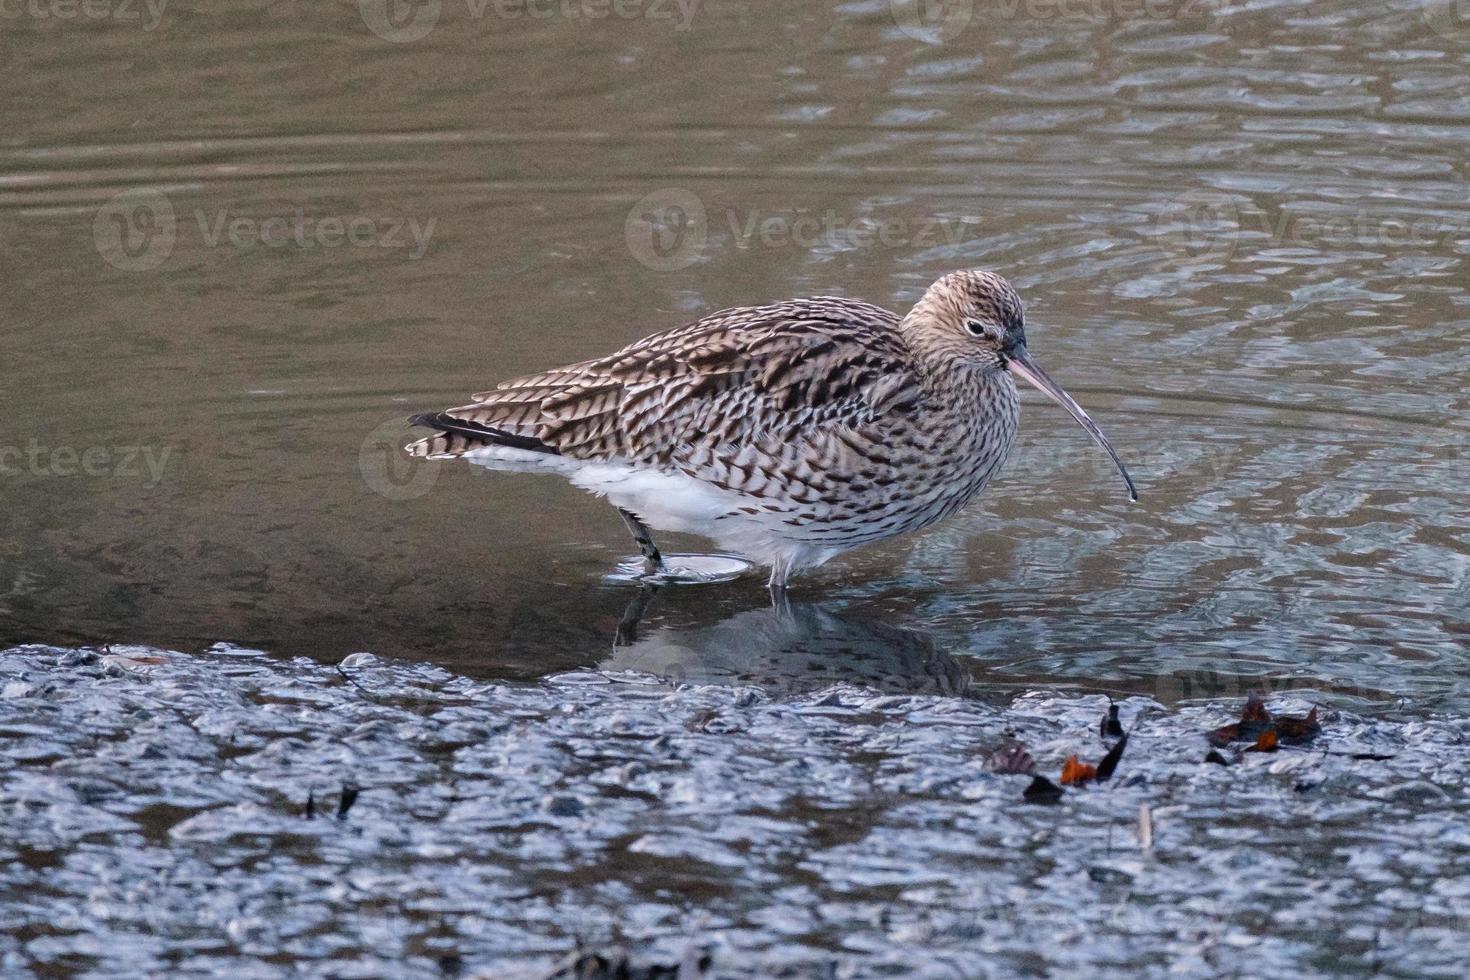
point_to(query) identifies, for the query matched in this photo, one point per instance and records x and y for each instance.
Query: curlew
(787, 433)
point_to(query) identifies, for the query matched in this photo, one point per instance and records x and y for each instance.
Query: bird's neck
(947, 366)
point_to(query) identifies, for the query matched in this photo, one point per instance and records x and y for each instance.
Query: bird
(787, 433)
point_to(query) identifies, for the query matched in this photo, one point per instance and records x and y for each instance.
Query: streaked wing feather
(735, 377)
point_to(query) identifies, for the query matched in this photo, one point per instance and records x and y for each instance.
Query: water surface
(1241, 230)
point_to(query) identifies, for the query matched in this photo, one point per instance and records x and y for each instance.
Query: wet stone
(563, 806)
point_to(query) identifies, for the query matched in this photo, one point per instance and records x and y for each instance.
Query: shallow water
(1241, 231)
(176, 814)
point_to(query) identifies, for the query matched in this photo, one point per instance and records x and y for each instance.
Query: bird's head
(974, 317)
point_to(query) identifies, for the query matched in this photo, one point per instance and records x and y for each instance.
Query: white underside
(671, 502)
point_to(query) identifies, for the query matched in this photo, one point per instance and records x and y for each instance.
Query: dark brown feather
(783, 371)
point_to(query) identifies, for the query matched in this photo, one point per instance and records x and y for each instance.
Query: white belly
(664, 501)
(673, 502)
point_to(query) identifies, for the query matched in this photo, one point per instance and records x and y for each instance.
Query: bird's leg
(653, 561)
(777, 587)
(633, 615)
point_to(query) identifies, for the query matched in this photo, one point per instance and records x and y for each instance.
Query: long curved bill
(1020, 364)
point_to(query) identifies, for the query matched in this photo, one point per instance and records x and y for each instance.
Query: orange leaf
(1266, 743)
(1075, 772)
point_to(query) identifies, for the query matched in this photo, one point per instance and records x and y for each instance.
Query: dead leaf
(1111, 727)
(1075, 773)
(349, 797)
(1217, 758)
(1110, 761)
(698, 721)
(1010, 759)
(1266, 742)
(1255, 708)
(1042, 790)
(1223, 735)
(1298, 731)
(1255, 721)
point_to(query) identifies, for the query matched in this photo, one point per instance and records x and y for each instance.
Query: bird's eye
(976, 328)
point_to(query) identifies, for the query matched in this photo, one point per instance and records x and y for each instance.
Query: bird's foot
(679, 569)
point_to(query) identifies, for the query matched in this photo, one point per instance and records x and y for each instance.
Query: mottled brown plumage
(789, 432)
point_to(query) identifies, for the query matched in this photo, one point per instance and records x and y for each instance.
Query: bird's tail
(455, 437)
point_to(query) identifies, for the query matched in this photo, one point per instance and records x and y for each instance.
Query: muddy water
(243, 241)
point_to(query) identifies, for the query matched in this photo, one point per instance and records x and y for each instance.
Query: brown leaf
(1258, 727)
(1224, 735)
(1255, 708)
(1266, 742)
(1042, 790)
(1010, 759)
(1110, 761)
(1075, 773)
(1111, 727)
(1217, 758)
(1254, 720)
(697, 721)
(1291, 730)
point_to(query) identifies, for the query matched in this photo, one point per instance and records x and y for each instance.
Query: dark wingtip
(447, 423)
(425, 420)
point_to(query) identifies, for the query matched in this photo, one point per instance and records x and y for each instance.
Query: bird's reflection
(787, 648)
